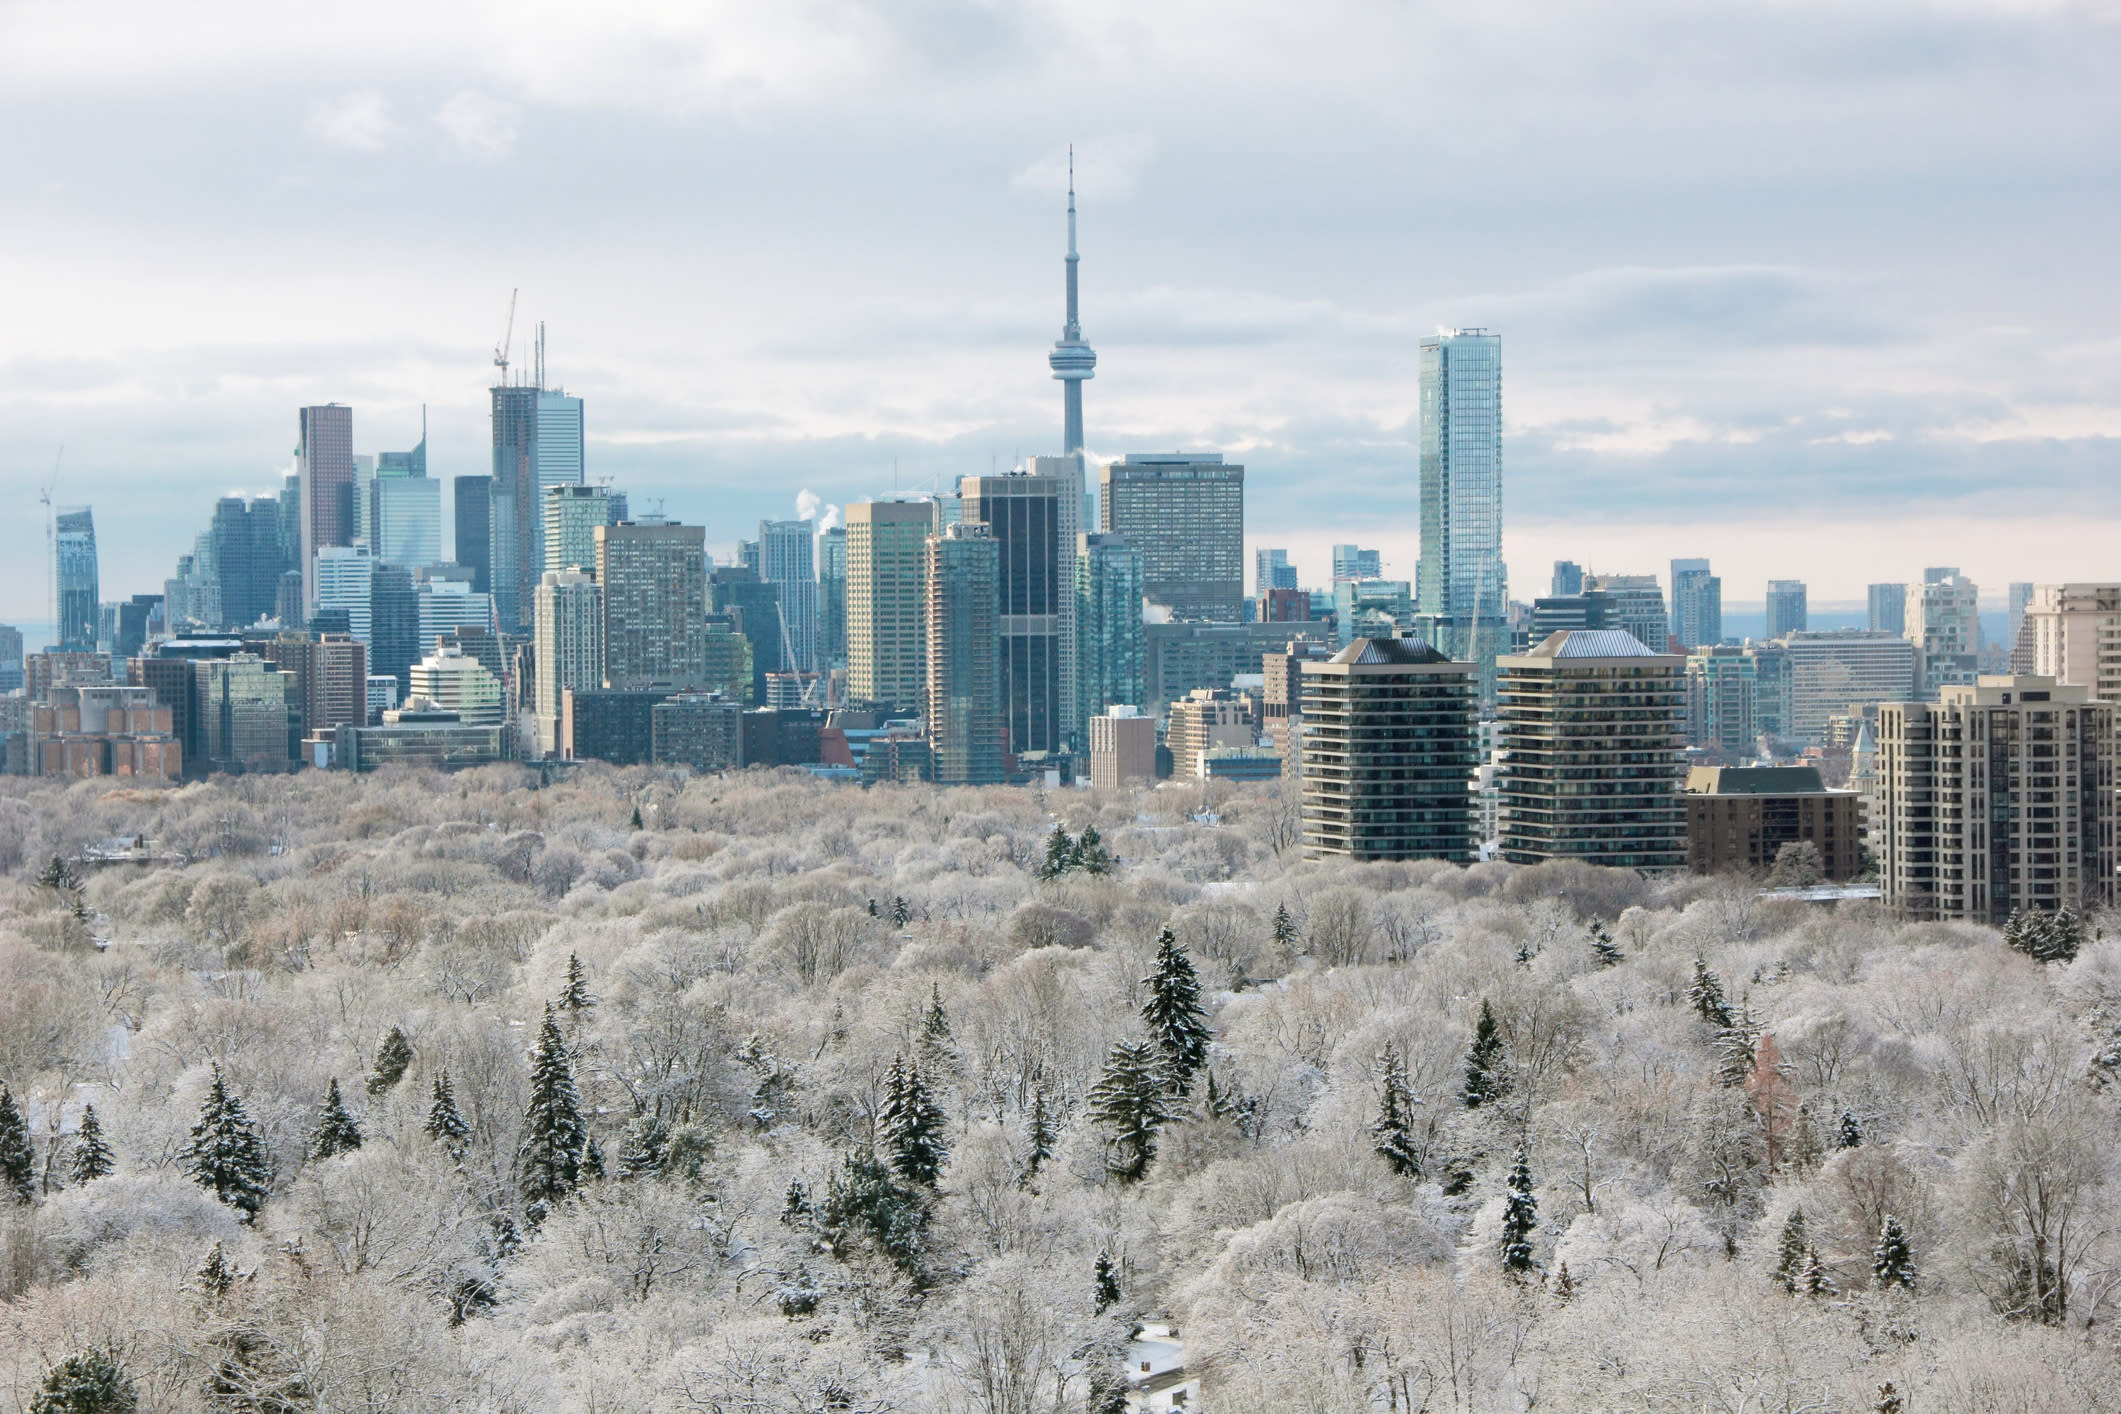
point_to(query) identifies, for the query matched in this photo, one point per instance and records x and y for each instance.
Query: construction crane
(51, 547)
(508, 338)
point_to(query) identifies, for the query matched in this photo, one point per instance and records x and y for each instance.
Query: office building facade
(788, 560)
(1697, 604)
(325, 471)
(832, 598)
(1389, 747)
(1831, 670)
(1108, 627)
(1354, 562)
(79, 589)
(1032, 521)
(1271, 570)
(965, 707)
(1787, 612)
(654, 581)
(1634, 604)
(1122, 749)
(1888, 608)
(572, 515)
(474, 528)
(1185, 516)
(1462, 588)
(887, 606)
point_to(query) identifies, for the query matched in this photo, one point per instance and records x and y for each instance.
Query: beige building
(454, 681)
(1593, 727)
(654, 581)
(569, 618)
(2072, 633)
(1122, 748)
(1997, 797)
(886, 602)
(1204, 718)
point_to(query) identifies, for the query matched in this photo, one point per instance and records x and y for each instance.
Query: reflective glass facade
(1461, 475)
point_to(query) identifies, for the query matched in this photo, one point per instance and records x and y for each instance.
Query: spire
(1072, 360)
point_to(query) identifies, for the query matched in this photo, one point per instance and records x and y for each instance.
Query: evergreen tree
(393, 1056)
(1392, 1132)
(1813, 1279)
(1284, 928)
(1091, 855)
(1130, 1101)
(901, 912)
(226, 1152)
(1735, 1048)
(636, 821)
(1520, 1215)
(592, 1159)
(549, 1163)
(1889, 1401)
(88, 1383)
(575, 996)
(644, 1147)
(216, 1275)
(1060, 854)
(1487, 1066)
(1564, 1285)
(1851, 1136)
(911, 1124)
(1604, 951)
(872, 909)
(1790, 1250)
(1707, 995)
(93, 1158)
(1893, 1260)
(336, 1133)
(1107, 1283)
(864, 1203)
(935, 1042)
(1041, 1135)
(795, 1204)
(1173, 1011)
(1220, 1101)
(18, 1162)
(445, 1123)
(59, 877)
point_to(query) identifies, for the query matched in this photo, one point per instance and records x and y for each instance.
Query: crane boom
(508, 338)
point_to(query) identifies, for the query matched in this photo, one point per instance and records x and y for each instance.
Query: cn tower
(1072, 360)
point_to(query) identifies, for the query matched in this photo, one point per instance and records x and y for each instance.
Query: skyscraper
(1271, 571)
(654, 581)
(964, 699)
(537, 445)
(1697, 604)
(1635, 604)
(324, 463)
(1944, 620)
(1462, 586)
(405, 515)
(474, 529)
(1888, 603)
(1073, 361)
(1389, 744)
(1568, 579)
(1185, 515)
(244, 541)
(1786, 612)
(1354, 562)
(832, 598)
(572, 515)
(570, 647)
(79, 587)
(343, 587)
(1108, 627)
(788, 558)
(887, 603)
(1031, 517)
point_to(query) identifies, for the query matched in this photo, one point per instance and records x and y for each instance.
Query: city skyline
(1703, 365)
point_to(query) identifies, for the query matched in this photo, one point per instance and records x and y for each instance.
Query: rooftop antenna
(501, 350)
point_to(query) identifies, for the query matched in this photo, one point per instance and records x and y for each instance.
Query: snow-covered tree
(1039, 1135)
(1813, 1277)
(1105, 1283)
(445, 1122)
(912, 1126)
(1790, 1249)
(1285, 934)
(643, 1147)
(1520, 1215)
(1061, 855)
(1090, 853)
(93, 1157)
(89, 1383)
(1392, 1132)
(18, 1162)
(227, 1153)
(1893, 1258)
(1706, 993)
(1177, 1022)
(1850, 1133)
(1487, 1062)
(575, 997)
(549, 1161)
(336, 1131)
(1131, 1103)
(1604, 951)
(393, 1057)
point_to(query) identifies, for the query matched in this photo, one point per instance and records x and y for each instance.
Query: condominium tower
(1697, 604)
(79, 579)
(788, 559)
(324, 467)
(572, 515)
(1944, 621)
(570, 647)
(964, 701)
(1462, 585)
(1390, 743)
(1786, 607)
(2073, 634)
(1185, 515)
(654, 581)
(1108, 627)
(887, 602)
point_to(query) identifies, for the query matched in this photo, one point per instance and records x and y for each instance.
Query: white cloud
(481, 126)
(360, 121)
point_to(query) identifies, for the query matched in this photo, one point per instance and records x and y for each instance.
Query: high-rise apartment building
(1997, 797)
(394, 643)
(1568, 579)
(1722, 682)
(79, 588)
(1390, 743)
(2073, 635)
(654, 580)
(788, 559)
(832, 598)
(325, 468)
(1122, 749)
(1201, 721)
(1944, 621)
(887, 603)
(455, 681)
(474, 528)
(1697, 604)
(1462, 588)
(964, 698)
(1888, 608)
(1634, 604)
(1354, 562)
(1786, 611)
(570, 647)
(1831, 670)
(2021, 599)
(1032, 518)
(1184, 513)
(1109, 642)
(572, 515)
(1271, 570)
(1591, 733)
(447, 603)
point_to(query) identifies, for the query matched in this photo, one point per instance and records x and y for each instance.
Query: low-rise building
(422, 735)
(1740, 819)
(1207, 717)
(702, 730)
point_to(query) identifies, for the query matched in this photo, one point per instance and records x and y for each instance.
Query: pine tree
(864, 1202)
(1707, 996)
(911, 1125)
(936, 1049)
(1790, 1250)
(795, 1203)
(635, 822)
(1735, 1048)
(1889, 1401)
(644, 1146)
(1392, 1132)
(18, 1162)
(1130, 1101)
(1893, 1260)
(1851, 1136)
(1487, 1067)
(1284, 929)
(1604, 951)
(1564, 1285)
(336, 1133)
(445, 1123)
(901, 912)
(575, 996)
(1040, 1137)
(1174, 1014)
(592, 1159)
(549, 1163)
(1091, 855)
(226, 1152)
(1520, 1215)
(1220, 1101)
(216, 1275)
(88, 1383)
(93, 1157)
(1106, 1279)
(1060, 854)
(393, 1056)
(1813, 1279)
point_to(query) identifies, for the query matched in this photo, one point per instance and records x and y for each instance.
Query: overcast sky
(1823, 291)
